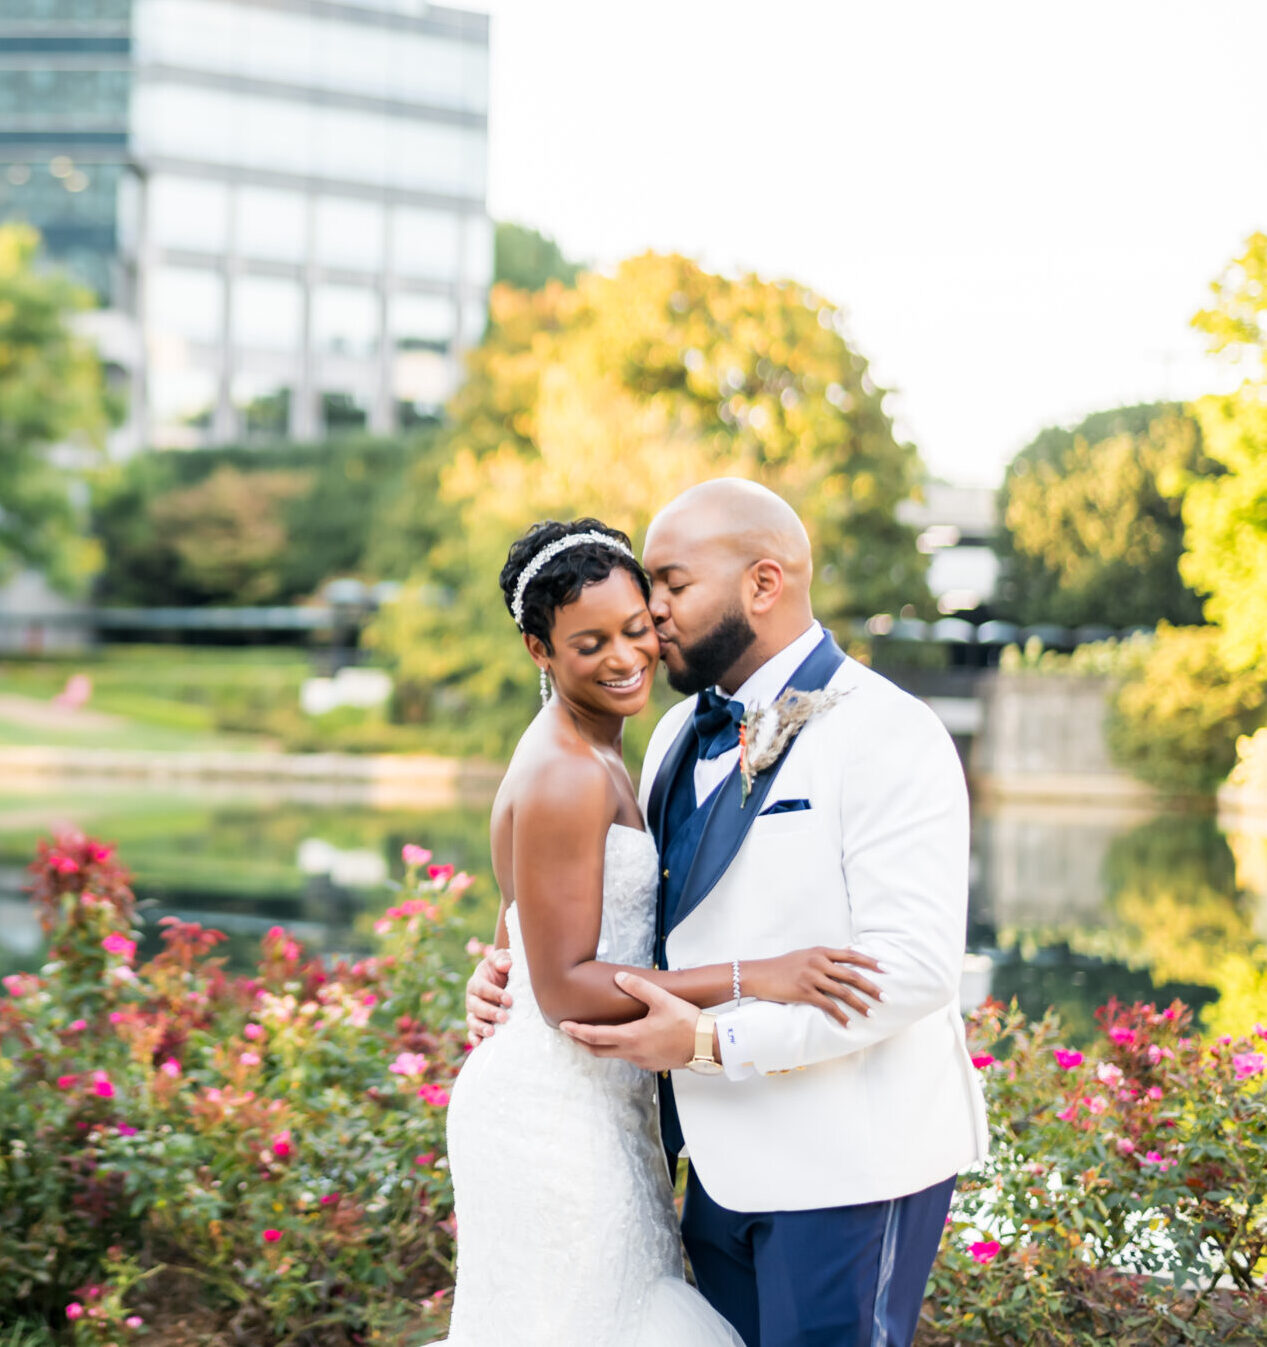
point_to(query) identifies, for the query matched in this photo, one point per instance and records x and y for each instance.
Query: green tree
(608, 399)
(1092, 525)
(51, 393)
(529, 260)
(1226, 517)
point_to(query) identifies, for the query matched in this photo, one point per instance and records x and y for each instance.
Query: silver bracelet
(734, 979)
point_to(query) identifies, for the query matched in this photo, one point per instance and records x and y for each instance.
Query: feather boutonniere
(766, 731)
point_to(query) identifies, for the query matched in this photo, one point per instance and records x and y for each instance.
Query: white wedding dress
(566, 1230)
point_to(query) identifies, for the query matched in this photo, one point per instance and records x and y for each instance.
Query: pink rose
(117, 1017)
(1066, 1060)
(1068, 1114)
(134, 1321)
(253, 1031)
(1125, 1146)
(460, 883)
(171, 1067)
(75, 1026)
(100, 854)
(66, 1082)
(1247, 1064)
(1154, 1092)
(249, 1058)
(439, 873)
(281, 1146)
(435, 1095)
(413, 854)
(74, 1310)
(101, 1086)
(409, 1064)
(1108, 1074)
(115, 943)
(985, 1251)
(982, 1060)
(1157, 1159)
(1096, 1104)
(15, 984)
(1122, 1035)
(125, 1130)
(272, 1236)
(329, 1199)
(425, 1160)
(382, 926)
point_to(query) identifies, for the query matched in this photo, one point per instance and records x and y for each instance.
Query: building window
(345, 320)
(422, 323)
(342, 412)
(184, 303)
(349, 233)
(181, 402)
(267, 313)
(271, 225)
(189, 213)
(262, 406)
(425, 243)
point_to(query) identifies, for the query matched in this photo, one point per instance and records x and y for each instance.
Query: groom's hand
(486, 996)
(661, 1041)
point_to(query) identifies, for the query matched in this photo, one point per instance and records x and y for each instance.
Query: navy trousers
(829, 1277)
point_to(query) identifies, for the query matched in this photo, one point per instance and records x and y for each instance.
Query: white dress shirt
(759, 690)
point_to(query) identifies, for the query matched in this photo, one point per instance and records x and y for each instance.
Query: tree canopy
(1092, 524)
(1226, 517)
(610, 398)
(51, 392)
(528, 260)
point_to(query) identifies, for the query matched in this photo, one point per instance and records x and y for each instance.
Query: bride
(566, 1229)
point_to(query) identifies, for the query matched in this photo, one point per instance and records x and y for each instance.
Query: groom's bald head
(730, 566)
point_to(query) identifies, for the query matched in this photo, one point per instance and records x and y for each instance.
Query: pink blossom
(1225, 1039)
(74, 1310)
(1067, 1060)
(126, 1130)
(460, 883)
(1122, 1035)
(1108, 1074)
(475, 947)
(412, 854)
(985, 1251)
(271, 1236)
(253, 1031)
(134, 1321)
(66, 1082)
(76, 1025)
(214, 1095)
(382, 926)
(435, 1095)
(1170, 1013)
(1247, 1064)
(370, 999)
(424, 1160)
(1096, 1104)
(88, 900)
(1068, 1114)
(101, 1085)
(249, 1058)
(1154, 1092)
(1156, 1158)
(439, 873)
(63, 865)
(281, 1145)
(982, 1061)
(409, 1064)
(329, 1199)
(171, 1067)
(1125, 1146)
(117, 1017)
(115, 943)
(1260, 1031)
(100, 854)
(16, 984)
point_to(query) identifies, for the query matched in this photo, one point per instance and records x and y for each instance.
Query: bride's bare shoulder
(556, 780)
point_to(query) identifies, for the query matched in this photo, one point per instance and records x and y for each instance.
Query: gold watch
(703, 1061)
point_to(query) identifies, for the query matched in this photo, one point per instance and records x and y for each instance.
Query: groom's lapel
(670, 765)
(728, 824)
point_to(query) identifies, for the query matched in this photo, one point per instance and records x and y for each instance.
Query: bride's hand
(486, 996)
(816, 977)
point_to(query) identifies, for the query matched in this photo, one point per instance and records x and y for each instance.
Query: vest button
(666, 874)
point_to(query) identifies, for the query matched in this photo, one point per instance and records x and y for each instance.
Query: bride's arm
(560, 835)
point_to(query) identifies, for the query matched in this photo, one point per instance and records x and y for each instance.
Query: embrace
(751, 964)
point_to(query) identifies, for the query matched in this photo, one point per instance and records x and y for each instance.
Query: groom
(822, 1158)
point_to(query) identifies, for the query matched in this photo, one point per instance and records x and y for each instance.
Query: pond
(1069, 905)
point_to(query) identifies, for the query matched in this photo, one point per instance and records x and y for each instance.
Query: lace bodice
(566, 1230)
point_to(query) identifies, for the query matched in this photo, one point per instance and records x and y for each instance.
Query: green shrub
(1176, 717)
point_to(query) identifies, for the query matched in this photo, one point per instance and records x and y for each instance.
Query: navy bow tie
(716, 724)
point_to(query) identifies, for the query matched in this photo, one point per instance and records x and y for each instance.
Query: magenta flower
(115, 943)
(249, 1058)
(1122, 1035)
(329, 1199)
(1125, 1146)
(63, 865)
(1068, 1114)
(435, 1095)
(253, 1031)
(439, 873)
(100, 853)
(126, 1130)
(460, 883)
(134, 1321)
(985, 1251)
(101, 1085)
(281, 1145)
(76, 1025)
(1247, 1064)
(15, 984)
(409, 1064)
(426, 1159)
(66, 1082)
(171, 1067)
(982, 1060)
(1108, 1074)
(1154, 1092)
(271, 1236)
(1067, 1060)
(1096, 1104)
(382, 926)
(1157, 1159)
(412, 854)
(74, 1310)
(117, 1017)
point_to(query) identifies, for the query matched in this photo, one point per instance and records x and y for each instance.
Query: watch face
(705, 1066)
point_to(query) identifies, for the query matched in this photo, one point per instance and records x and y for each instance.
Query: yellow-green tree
(1226, 517)
(1092, 531)
(51, 392)
(610, 397)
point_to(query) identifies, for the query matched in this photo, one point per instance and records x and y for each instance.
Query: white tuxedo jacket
(891, 1104)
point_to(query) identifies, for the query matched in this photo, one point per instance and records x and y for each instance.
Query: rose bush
(268, 1148)
(1125, 1198)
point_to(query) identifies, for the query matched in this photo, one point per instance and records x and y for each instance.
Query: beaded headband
(548, 553)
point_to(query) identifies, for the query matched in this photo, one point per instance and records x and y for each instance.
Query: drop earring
(545, 687)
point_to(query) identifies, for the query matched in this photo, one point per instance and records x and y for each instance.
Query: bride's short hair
(563, 576)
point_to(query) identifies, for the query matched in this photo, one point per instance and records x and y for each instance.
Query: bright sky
(1018, 204)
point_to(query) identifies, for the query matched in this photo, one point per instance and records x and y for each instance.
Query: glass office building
(280, 202)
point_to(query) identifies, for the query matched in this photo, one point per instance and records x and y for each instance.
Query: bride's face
(605, 647)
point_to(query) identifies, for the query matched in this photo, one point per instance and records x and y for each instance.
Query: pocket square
(785, 807)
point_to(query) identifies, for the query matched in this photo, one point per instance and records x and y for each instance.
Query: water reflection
(1069, 906)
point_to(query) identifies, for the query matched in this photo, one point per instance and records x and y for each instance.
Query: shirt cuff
(730, 1039)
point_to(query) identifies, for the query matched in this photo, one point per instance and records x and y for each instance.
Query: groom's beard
(712, 656)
